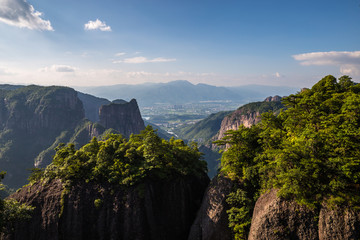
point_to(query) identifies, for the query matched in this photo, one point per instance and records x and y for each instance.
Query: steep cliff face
(125, 117)
(151, 210)
(31, 118)
(212, 220)
(32, 108)
(248, 115)
(339, 223)
(276, 218)
(92, 105)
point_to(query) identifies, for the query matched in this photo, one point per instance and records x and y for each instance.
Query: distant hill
(181, 92)
(203, 130)
(254, 93)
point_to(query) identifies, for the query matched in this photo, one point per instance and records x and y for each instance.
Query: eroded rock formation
(123, 117)
(212, 220)
(158, 210)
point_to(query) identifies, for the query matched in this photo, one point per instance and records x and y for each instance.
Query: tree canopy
(309, 151)
(122, 161)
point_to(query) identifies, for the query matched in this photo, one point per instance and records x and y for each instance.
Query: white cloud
(278, 75)
(21, 14)
(97, 24)
(145, 60)
(349, 62)
(351, 70)
(59, 68)
(119, 54)
(328, 58)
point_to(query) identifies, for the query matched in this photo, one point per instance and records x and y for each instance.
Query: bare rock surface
(158, 210)
(275, 218)
(212, 220)
(339, 223)
(123, 117)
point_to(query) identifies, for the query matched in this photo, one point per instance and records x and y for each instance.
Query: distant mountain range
(181, 92)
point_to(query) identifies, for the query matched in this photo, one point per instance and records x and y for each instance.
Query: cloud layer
(349, 62)
(59, 68)
(97, 25)
(145, 60)
(21, 14)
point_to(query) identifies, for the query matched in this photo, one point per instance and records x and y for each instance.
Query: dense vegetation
(261, 107)
(310, 152)
(125, 162)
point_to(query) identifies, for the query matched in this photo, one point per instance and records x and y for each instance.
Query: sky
(222, 42)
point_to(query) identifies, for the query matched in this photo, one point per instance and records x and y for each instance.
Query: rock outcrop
(151, 210)
(212, 220)
(92, 105)
(248, 115)
(339, 223)
(123, 117)
(275, 98)
(275, 218)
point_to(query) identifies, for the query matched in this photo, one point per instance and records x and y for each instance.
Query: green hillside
(204, 130)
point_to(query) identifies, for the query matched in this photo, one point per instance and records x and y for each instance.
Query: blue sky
(223, 43)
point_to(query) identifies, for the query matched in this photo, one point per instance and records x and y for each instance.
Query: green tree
(11, 211)
(309, 152)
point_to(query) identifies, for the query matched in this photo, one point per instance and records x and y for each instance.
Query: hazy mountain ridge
(181, 92)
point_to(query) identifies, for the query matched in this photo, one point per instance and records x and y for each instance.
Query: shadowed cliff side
(212, 220)
(31, 118)
(152, 210)
(123, 117)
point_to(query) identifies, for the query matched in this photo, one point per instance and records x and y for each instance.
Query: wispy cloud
(145, 60)
(349, 62)
(97, 25)
(278, 75)
(119, 54)
(328, 58)
(21, 14)
(59, 68)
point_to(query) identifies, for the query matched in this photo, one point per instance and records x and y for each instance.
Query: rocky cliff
(92, 105)
(123, 117)
(34, 120)
(150, 210)
(276, 218)
(273, 218)
(248, 115)
(31, 118)
(212, 220)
